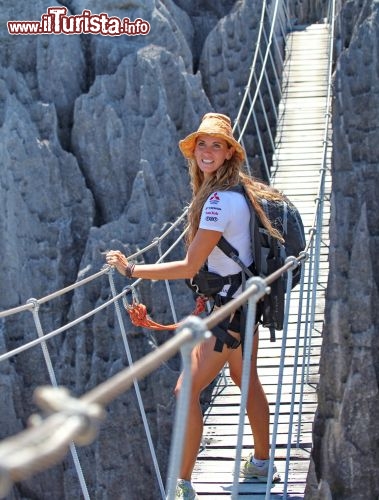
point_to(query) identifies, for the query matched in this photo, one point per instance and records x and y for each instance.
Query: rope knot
(138, 314)
(59, 401)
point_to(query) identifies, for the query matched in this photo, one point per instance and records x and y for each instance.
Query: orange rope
(139, 317)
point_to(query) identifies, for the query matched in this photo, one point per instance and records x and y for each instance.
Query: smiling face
(211, 152)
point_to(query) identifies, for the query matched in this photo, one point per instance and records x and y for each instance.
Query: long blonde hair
(225, 177)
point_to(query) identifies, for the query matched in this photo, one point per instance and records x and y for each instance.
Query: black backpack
(270, 254)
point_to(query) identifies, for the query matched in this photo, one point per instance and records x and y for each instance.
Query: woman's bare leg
(205, 366)
(257, 407)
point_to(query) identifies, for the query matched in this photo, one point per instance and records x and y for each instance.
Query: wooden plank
(293, 112)
(234, 410)
(296, 72)
(299, 163)
(295, 141)
(313, 88)
(318, 66)
(230, 429)
(229, 453)
(296, 148)
(308, 88)
(218, 440)
(296, 181)
(228, 424)
(312, 125)
(256, 489)
(271, 379)
(308, 402)
(300, 138)
(307, 176)
(317, 104)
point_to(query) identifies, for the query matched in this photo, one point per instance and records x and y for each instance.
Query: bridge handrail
(77, 419)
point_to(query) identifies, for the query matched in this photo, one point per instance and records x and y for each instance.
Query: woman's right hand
(118, 260)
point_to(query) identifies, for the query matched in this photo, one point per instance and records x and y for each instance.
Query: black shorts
(237, 324)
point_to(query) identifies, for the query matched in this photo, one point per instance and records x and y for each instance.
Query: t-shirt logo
(214, 199)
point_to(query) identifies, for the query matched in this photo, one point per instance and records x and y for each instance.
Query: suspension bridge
(300, 158)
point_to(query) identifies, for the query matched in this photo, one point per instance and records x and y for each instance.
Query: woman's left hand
(118, 260)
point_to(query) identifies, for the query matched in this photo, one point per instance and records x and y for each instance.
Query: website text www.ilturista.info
(56, 22)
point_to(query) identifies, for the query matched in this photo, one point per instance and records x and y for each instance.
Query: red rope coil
(139, 317)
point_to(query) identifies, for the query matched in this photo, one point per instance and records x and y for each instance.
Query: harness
(209, 284)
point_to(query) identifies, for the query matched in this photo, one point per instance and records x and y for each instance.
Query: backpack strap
(233, 254)
(255, 236)
(257, 239)
(285, 217)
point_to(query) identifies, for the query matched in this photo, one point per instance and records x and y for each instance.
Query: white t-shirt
(227, 212)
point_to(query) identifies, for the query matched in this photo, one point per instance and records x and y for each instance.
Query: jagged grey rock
(345, 453)
(89, 161)
(127, 118)
(170, 28)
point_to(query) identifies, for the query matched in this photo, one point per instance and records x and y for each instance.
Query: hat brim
(187, 145)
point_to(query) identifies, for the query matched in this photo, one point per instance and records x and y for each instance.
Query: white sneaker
(185, 491)
(252, 471)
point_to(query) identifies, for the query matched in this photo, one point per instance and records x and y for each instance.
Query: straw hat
(216, 125)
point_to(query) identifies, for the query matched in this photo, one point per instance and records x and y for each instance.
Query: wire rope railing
(249, 100)
(135, 383)
(54, 383)
(77, 415)
(77, 420)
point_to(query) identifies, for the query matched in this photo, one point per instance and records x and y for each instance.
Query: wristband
(129, 270)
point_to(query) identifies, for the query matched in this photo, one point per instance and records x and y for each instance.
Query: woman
(215, 160)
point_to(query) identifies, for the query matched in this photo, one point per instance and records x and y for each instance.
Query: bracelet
(129, 270)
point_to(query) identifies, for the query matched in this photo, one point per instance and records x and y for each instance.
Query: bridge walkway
(297, 162)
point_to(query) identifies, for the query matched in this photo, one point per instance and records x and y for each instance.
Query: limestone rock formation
(346, 436)
(89, 161)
